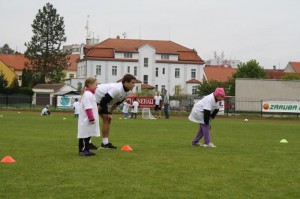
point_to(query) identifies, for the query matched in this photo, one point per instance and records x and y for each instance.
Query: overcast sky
(265, 30)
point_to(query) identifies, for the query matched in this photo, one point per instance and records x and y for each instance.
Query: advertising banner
(281, 106)
(144, 102)
(66, 101)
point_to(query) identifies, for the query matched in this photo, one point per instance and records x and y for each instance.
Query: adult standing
(166, 104)
(157, 103)
(111, 94)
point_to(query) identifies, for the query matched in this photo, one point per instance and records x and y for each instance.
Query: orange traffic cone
(8, 159)
(126, 148)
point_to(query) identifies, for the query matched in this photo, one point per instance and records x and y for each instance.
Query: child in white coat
(88, 121)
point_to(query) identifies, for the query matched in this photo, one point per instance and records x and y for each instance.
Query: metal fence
(232, 105)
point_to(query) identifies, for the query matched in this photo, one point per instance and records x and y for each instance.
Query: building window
(164, 56)
(128, 69)
(71, 75)
(194, 90)
(145, 79)
(114, 71)
(128, 55)
(135, 71)
(156, 72)
(163, 71)
(177, 90)
(156, 87)
(146, 60)
(177, 73)
(193, 73)
(163, 88)
(98, 70)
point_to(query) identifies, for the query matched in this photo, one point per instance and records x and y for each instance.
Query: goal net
(146, 114)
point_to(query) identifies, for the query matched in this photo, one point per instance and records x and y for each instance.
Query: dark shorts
(157, 108)
(104, 110)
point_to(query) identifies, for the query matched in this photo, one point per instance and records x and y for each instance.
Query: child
(202, 112)
(125, 109)
(76, 108)
(88, 117)
(134, 109)
(46, 111)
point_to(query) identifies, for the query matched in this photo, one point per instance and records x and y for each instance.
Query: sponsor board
(281, 106)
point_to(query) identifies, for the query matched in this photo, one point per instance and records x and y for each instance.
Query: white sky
(265, 30)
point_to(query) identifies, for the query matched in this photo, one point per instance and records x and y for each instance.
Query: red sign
(144, 102)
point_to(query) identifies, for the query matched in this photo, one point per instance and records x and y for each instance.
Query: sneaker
(92, 147)
(107, 146)
(197, 144)
(86, 153)
(209, 145)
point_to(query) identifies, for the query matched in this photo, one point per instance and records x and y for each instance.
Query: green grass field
(249, 161)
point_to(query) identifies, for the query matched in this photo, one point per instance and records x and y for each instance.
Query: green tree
(27, 78)
(291, 76)
(14, 86)
(3, 82)
(207, 87)
(251, 69)
(6, 49)
(44, 52)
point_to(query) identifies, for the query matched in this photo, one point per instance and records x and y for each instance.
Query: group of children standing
(134, 108)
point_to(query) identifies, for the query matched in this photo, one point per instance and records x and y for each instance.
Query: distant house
(16, 64)
(44, 93)
(158, 64)
(292, 67)
(275, 74)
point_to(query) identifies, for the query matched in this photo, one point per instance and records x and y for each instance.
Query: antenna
(140, 32)
(88, 34)
(109, 30)
(169, 32)
(124, 35)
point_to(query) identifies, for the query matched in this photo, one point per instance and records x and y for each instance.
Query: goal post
(146, 114)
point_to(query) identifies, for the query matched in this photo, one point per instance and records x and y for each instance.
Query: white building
(222, 61)
(161, 64)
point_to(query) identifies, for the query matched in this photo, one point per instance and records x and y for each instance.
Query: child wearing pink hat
(203, 111)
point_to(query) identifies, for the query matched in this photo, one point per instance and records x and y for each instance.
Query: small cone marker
(126, 148)
(8, 159)
(283, 141)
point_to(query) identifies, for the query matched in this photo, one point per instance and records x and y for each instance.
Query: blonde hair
(87, 83)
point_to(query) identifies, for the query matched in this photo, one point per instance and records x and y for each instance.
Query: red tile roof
(147, 86)
(16, 61)
(55, 87)
(275, 74)
(73, 62)
(296, 66)
(218, 74)
(106, 49)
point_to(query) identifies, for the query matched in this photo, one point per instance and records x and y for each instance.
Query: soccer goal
(146, 114)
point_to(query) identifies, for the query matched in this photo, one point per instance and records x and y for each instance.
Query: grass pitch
(249, 161)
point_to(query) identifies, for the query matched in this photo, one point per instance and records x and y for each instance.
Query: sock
(105, 141)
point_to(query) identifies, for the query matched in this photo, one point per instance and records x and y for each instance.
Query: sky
(265, 30)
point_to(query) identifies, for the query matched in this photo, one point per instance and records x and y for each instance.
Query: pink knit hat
(219, 92)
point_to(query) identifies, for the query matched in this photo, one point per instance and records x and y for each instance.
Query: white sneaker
(198, 144)
(209, 145)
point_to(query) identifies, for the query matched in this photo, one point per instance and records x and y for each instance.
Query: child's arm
(90, 115)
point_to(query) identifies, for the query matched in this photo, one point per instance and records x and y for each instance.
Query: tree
(46, 58)
(207, 87)
(3, 83)
(14, 86)
(6, 49)
(251, 69)
(27, 80)
(291, 76)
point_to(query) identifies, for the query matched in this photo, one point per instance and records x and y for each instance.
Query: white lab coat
(135, 106)
(85, 128)
(207, 103)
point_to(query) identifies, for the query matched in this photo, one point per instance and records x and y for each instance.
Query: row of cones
(9, 159)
